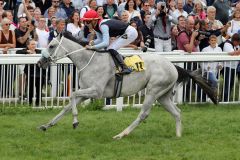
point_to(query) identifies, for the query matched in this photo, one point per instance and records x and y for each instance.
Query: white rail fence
(56, 84)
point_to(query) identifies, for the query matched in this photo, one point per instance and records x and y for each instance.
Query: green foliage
(94, 105)
(209, 132)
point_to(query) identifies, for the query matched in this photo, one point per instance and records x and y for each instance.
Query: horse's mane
(69, 36)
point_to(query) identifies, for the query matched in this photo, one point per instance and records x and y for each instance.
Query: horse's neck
(88, 58)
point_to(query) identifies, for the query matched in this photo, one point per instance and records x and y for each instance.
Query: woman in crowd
(75, 25)
(7, 36)
(174, 34)
(138, 42)
(101, 12)
(198, 11)
(235, 24)
(131, 7)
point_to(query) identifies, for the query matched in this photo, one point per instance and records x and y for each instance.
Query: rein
(66, 55)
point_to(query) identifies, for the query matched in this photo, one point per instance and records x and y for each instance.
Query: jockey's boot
(119, 59)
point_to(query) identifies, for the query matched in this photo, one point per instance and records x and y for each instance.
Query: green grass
(209, 133)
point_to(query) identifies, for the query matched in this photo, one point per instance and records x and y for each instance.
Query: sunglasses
(87, 22)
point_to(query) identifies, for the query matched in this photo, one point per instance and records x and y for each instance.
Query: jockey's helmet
(90, 15)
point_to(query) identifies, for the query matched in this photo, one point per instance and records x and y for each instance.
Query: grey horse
(97, 80)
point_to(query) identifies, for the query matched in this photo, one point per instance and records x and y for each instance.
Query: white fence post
(119, 104)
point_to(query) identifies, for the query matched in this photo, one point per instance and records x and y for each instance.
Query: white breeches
(128, 37)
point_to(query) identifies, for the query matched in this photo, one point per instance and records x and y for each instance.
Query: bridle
(67, 53)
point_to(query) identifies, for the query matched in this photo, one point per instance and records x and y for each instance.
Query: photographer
(162, 28)
(147, 32)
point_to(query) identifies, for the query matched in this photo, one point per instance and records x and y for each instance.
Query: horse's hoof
(75, 125)
(43, 128)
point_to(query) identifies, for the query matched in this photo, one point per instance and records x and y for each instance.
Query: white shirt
(211, 66)
(42, 38)
(21, 9)
(73, 29)
(235, 27)
(229, 48)
(177, 13)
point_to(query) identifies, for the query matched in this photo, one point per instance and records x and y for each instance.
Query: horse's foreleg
(84, 94)
(146, 108)
(65, 110)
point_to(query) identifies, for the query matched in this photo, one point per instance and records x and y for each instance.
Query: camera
(147, 43)
(207, 34)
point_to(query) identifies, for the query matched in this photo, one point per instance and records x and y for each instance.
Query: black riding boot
(119, 59)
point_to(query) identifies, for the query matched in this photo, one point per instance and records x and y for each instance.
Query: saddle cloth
(134, 62)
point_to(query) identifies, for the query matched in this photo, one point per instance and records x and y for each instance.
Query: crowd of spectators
(165, 25)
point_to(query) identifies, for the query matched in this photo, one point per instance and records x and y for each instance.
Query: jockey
(124, 33)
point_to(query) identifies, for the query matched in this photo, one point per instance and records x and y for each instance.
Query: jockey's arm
(103, 40)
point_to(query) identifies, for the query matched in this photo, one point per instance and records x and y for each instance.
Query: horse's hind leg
(167, 101)
(146, 108)
(65, 110)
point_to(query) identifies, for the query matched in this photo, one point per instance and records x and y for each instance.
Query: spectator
(59, 12)
(67, 6)
(162, 28)
(43, 4)
(1, 9)
(198, 11)
(7, 36)
(210, 69)
(25, 31)
(222, 10)
(92, 4)
(60, 28)
(125, 16)
(147, 31)
(110, 9)
(186, 40)
(8, 14)
(145, 9)
(212, 22)
(100, 11)
(235, 24)
(42, 33)
(179, 11)
(174, 34)
(181, 23)
(53, 24)
(172, 6)
(21, 7)
(51, 13)
(32, 73)
(78, 4)
(131, 7)
(188, 7)
(232, 47)
(75, 25)
(152, 5)
(138, 42)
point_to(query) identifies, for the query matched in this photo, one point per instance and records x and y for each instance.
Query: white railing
(63, 83)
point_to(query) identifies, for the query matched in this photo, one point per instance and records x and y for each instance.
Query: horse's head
(53, 52)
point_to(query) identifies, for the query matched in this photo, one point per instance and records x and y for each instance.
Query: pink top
(184, 39)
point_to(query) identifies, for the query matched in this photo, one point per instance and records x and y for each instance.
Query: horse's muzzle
(44, 62)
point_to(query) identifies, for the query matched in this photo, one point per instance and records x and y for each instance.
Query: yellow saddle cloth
(135, 62)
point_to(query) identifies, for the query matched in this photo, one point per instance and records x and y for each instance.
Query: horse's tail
(196, 76)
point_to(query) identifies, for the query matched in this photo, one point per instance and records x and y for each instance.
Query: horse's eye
(51, 47)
